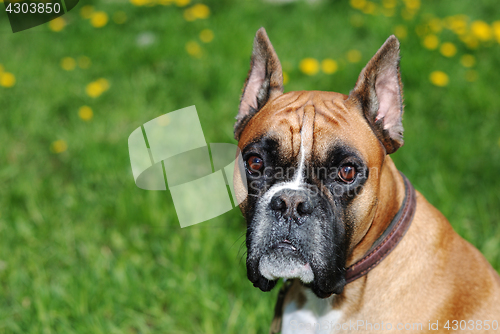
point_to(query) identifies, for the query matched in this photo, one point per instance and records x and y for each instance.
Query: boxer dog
(328, 211)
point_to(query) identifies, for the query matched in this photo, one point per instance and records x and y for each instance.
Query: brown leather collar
(389, 239)
(380, 249)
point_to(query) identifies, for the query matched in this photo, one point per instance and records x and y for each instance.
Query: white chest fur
(316, 316)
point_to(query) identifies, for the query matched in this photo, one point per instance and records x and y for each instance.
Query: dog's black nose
(305, 208)
(278, 204)
(291, 203)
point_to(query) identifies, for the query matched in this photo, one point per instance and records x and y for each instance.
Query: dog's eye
(254, 164)
(347, 173)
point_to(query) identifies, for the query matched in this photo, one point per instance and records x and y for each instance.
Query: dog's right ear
(264, 81)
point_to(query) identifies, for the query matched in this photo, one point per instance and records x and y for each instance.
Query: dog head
(312, 162)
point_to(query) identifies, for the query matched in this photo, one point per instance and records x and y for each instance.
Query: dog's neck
(391, 186)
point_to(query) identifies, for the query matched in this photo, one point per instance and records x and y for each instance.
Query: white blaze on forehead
(306, 142)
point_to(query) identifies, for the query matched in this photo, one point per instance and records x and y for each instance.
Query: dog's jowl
(328, 211)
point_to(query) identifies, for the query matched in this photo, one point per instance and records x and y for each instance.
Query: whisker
(237, 239)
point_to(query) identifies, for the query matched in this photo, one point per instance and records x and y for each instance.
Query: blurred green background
(83, 250)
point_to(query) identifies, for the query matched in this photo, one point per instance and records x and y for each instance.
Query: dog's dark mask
(298, 225)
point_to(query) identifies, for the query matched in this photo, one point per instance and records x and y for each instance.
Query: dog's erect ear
(264, 81)
(379, 92)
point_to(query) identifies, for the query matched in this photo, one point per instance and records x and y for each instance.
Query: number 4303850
(41, 8)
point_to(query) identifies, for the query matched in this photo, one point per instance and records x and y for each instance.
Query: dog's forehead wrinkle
(318, 121)
(333, 113)
(306, 136)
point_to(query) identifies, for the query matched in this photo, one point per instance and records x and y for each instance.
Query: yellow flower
(93, 89)
(481, 30)
(85, 113)
(193, 49)
(412, 4)
(68, 63)
(400, 32)
(84, 62)
(57, 24)
(353, 56)
(104, 83)
(182, 3)
(468, 60)
(431, 42)
(369, 8)
(286, 78)
(99, 19)
(389, 3)
(439, 78)
(329, 66)
(7, 79)
(96, 88)
(470, 41)
(435, 25)
(448, 49)
(188, 15)
(199, 11)
(496, 30)
(358, 4)
(120, 17)
(139, 2)
(471, 75)
(309, 66)
(206, 35)
(457, 23)
(58, 146)
(164, 120)
(407, 14)
(86, 11)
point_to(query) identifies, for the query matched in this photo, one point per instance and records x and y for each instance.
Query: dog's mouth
(285, 244)
(284, 260)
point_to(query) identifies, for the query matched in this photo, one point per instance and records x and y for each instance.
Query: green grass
(85, 251)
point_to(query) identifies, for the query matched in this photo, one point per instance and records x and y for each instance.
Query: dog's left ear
(264, 81)
(379, 93)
